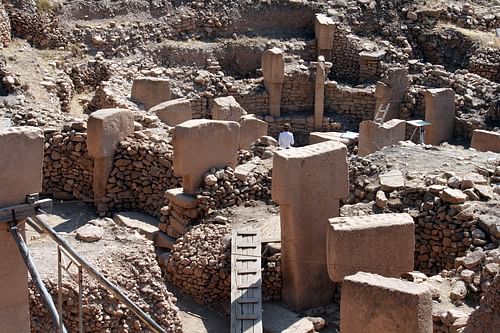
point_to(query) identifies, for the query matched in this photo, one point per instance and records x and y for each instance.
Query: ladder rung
(247, 246)
(246, 233)
(248, 300)
(247, 271)
(249, 285)
(246, 317)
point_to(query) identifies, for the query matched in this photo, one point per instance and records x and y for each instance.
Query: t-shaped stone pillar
(21, 162)
(440, 112)
(106, 128)
(391, 91)
(273, 68)
(200, 145)
(324, 31)
(251, 129)
(308, 183)
(319, 93)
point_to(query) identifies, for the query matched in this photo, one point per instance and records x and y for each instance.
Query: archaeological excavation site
(249, 166)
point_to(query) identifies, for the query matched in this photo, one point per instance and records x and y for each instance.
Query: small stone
(381, 199)
(453, 196)
(458, 292)
(89, 233)
(210, 180)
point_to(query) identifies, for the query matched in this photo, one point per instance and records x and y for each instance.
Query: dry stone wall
(67, 166)
(359, 103)
(5, 29)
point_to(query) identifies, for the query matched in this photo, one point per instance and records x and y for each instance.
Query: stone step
(145, 224)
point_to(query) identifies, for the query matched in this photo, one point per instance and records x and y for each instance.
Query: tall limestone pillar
(21, 162)
(319, 93)
(273, 68)
(324, 32)
(307, 184)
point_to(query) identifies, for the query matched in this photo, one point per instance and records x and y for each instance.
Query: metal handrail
(108, 285)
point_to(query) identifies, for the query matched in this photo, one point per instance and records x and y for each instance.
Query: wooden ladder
(381, 113)
(246, 282)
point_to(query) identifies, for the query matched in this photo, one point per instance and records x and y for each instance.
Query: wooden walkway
(246, 282)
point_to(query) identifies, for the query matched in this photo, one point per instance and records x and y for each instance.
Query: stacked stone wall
(5, 28)
(358, 103)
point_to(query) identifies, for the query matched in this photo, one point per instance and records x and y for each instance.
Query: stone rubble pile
(139, 276)
(200, 265)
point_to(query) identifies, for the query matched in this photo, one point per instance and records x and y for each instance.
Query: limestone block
(227, 108)
(106, 128)
(324, 31)
(317, 137)
(173, 112)
(150, 91)
(251, 130)
(307, 183)
(319, 93)
(381, 244)
(376, 304)
(21, 162)
(200, 145)
(178, 197)
(273, 65)
(374, 136)
(440, 112)
(486, 141)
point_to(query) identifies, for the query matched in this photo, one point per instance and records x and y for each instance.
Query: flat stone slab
(180, 198)
(392, 180)
(145, 224)
(163, 240)
(242, 171)
(277, 319)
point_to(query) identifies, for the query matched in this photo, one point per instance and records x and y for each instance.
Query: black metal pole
(144, 317)
(49, 303)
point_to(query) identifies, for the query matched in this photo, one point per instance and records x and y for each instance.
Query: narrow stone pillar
(319, 93)
(391, 90)
(374, 136)
(106, 128)
(21, 163)
(273, 68)
(200, 145)
(376, 304)
(324, 32)
(307, 184)
(440, 112)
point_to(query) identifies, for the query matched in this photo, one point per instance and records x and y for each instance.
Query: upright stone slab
(391, 90)
(324, 31)
(227, 108)
(251, 130)
(173, 112)
(319, 93)
(273, 68)
(486, 141)
(21, 163)
(382, 243)
(376, 304)
(440, 112)
(307, 184)
(105, 129)
(150, 91)
(200, 145)
(374, 136)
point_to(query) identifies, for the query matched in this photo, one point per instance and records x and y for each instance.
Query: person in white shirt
(286, 140)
